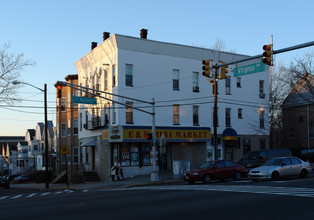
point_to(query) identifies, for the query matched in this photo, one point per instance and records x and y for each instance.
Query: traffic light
(59, 93)
(206, 68)
(149, 136)
(268, 54)
(223, 71)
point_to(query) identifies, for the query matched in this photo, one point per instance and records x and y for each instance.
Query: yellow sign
(64, 150)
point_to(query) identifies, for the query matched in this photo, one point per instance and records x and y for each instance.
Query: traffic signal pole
(215, 113)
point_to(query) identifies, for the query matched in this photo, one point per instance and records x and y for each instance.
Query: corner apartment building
(67, 129)
(142, 69)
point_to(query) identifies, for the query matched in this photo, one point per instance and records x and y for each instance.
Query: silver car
(281, 167)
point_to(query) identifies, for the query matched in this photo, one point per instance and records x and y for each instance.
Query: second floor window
(239, 113)
(239, 82)
(261, 119)
(195, 115)
(176, 111)
(63, 129)
(75, 127)
(129, 75)
(129, 113)
(228, 117)
(175, 75)
(63, 104)
(261, 89)
(114, 75)
(105, 79)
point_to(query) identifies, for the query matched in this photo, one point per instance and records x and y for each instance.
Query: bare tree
(11, 67)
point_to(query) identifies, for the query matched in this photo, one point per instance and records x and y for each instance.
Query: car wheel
(303, 173)
(275, 175)
(207, 178)
(237, 176)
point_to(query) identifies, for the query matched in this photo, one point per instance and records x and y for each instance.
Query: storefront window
(134, 156)
(125, 156)
(146, 156)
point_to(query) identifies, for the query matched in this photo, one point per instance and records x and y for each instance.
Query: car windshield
(273, 162)
(207, 165)
(250, 155)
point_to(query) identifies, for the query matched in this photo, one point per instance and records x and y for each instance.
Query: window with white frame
(63, 129)
(228, 86)
(129, 113)
(105, 79)
(261, 89)
(228, 117)
(63, 104)
(75, 154)
(128, 74)
(175, 75)
(69, 100)
(239, 113)
(195, 115)
(75, 127)
(69, 127)
(114, 75)
(176, 111)
(195, 82)
(238, 82)
(114, 113)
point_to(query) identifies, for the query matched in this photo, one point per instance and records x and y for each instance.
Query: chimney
(94, 44)
(144, 33)
(106, 35)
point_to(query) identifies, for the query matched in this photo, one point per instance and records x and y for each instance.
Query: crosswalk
(41, 194)
(272, 190)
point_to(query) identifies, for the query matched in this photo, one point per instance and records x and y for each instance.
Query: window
(86, 120)
(69, 127)
(261, 119)
(134, 156)
(81, 122)
(113, 75)
(195, 82)
(63, 129)
(228, 119)
(261, 89)
(145, 156)
(69, 100)
(295, 161)
(35, 147)
(106, 80)
(175, 74)
(63, 104)
(75, 155)
(195, 115)
(220, 164)
(227, 86)
(301, 119)
(125, 155)
(75, 127)
(75, 93)
(129, 75)
(238, 82)
(239, 113)
(229, 163)
(176, 114)
(129, 113)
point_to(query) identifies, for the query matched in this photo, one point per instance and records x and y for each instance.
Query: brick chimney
(94, 44)
(144, 33)
(106, 35)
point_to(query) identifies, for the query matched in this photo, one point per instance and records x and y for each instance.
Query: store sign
(120, 134)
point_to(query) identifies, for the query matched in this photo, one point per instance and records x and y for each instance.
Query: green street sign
(84, 100)
(249, 69)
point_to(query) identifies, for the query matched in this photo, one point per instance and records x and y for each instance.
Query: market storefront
(129, 146)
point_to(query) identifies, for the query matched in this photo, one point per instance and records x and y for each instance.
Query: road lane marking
(3, 197)
(31, 195)
(17, 196)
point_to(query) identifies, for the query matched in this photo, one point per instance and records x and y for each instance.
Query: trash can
(179, 167)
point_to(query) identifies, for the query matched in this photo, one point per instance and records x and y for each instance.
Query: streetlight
(46, 127)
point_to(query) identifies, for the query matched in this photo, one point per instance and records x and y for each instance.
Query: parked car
(13, 176)
(254, 159)
(4, 182)
(279, 167)
(220, 169)
(21, 179)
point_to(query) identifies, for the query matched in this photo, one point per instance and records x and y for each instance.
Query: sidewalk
(130, 182)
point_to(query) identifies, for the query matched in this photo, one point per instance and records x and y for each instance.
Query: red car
(220, 169)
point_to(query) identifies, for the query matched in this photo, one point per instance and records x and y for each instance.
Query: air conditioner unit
(262, 95)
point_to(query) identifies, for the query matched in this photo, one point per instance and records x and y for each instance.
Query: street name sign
(249, 69)
(84, 100)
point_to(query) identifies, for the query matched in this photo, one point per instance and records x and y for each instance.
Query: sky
(55, 34)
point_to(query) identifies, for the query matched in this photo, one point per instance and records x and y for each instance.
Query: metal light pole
(46, 127)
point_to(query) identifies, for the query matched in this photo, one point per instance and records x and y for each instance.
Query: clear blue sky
(55, 34)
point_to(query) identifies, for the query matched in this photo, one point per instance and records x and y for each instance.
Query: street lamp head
(15, 82)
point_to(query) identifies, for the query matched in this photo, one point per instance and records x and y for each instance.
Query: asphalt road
(285, 199)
